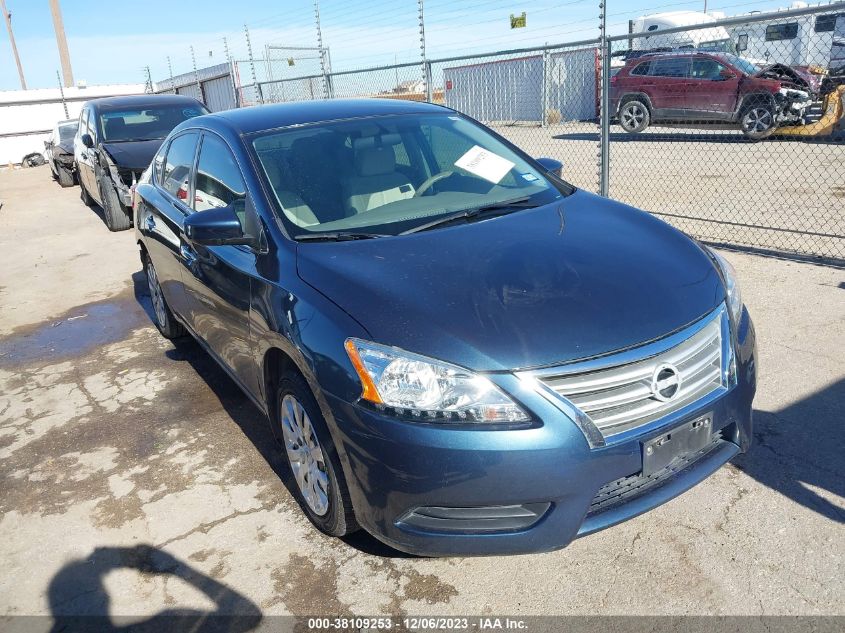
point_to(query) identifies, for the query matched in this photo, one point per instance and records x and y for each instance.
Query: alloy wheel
(757, 120)
(155, 294)
(305, 455)
(632, 116)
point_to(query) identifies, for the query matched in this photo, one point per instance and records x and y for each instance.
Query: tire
(634, 116)
(116, 218)
(65, 177)
(328, 486)
(757, 121)
(162, 315)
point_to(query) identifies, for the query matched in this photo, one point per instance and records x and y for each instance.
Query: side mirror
(216, 227)
(47, 144)
(725, 74)
(87, 141)
(552, 166)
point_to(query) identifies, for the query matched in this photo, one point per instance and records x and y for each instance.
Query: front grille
(627, 488)
(618, 397)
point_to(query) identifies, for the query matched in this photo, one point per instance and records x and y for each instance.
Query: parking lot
(137, 479)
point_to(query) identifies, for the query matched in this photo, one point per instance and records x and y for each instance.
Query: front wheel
(163, 316)
(757, 122)
(64, 176)
(117, 219)
(634, 116)
(319, 486)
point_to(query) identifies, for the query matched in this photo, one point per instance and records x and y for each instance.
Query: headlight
(427, 388)
(731, 286)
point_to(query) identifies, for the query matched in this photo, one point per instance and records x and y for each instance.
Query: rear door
(217, 279)
(82, 154)
(161, 216)
(709, 94)
(668, 78)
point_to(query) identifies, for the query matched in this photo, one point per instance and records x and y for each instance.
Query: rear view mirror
(87, 141)
(216, 227)
(552, 166)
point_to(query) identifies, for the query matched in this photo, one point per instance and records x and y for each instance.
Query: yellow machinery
(833, 112)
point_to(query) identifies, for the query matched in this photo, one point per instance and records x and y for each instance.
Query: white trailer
(798, 41)
(716, 38)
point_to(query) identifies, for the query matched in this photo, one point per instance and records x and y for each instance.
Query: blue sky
(111, 42)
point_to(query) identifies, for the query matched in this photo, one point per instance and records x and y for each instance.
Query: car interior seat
(293, 205)
(375, 181)
(114, 128)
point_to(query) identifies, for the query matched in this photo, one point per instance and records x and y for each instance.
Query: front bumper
(394, 467)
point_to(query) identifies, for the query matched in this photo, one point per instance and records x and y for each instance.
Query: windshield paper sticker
(485, 164)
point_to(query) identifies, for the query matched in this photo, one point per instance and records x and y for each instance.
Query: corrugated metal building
(556, 86)
(28, 116)
(213, 85)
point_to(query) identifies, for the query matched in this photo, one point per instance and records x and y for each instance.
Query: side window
(218, 181)
(706, 69)
(676, 68)
(642, 69)
(777, 32)
(83, 122)
(177, 165)
(158, 163)
(825, 23)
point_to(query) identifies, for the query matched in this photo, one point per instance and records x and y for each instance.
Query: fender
(636, 95)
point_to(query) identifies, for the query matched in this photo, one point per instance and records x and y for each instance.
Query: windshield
(390, 174)
(145, 123)
(67, 131)
(719, 46)
(743, 64)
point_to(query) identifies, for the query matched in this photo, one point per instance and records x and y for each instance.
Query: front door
(709, 93)
(217, 279)
(161, 219)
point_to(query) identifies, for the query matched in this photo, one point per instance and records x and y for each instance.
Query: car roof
(269, 117)
(140, 101)
(662, 54)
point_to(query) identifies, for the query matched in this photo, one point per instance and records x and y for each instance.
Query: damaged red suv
(711, 87)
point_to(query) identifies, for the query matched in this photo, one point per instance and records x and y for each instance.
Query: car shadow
(252, 422)
(715, 136)
(79, 600)
(798, 451)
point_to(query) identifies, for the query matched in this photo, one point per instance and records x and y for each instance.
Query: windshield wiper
(505, 206)
(336, 237)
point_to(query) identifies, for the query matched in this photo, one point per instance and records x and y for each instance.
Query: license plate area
(688, 438)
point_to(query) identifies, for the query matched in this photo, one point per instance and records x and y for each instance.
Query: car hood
(135, 155)
(579, 278)
(798, 76)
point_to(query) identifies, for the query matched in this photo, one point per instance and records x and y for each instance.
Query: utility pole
(8, 17)
(61, 42)
(328, 89)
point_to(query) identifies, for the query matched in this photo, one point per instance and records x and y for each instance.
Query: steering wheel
(430, 181)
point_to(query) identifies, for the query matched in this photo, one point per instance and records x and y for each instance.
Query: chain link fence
(732, 130)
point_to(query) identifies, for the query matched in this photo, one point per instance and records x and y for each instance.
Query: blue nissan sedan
(457, 350)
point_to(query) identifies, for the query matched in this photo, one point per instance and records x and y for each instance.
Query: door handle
(150, 223)
(188, 254)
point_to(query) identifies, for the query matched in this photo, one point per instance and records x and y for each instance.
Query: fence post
(252, 67)
(197, 75)
(426, 67)
(327, 91)
(544, 110)
(170, 70)
(231, 73)
(62, 91)
(604, 151)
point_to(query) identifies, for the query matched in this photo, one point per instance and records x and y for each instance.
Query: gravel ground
(122, 455)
